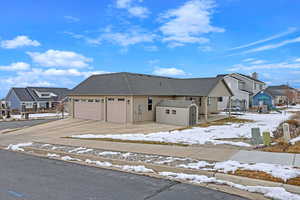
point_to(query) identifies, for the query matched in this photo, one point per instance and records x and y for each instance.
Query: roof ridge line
(27, 90)
(127, 81)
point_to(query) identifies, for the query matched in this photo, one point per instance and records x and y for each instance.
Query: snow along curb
(159, 168)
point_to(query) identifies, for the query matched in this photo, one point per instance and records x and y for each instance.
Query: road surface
(25, 177)
(21, 124)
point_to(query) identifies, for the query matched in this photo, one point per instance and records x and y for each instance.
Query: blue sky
(61, 42)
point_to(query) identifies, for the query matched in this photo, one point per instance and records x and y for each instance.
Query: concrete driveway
(56, 130)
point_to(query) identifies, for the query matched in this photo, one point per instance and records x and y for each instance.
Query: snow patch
(271, 192)
(294, 140)
(53, 155)
(213, 134)
(17, 147)
(108, 153)
(137, 168)
(68, 158)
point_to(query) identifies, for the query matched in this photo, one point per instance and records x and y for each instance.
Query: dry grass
(284, 148)
(226, 121)
(130, 141)
(221, 122)
(265, 176)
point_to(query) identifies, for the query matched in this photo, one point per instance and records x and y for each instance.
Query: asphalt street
(21, 124)
(25, 177)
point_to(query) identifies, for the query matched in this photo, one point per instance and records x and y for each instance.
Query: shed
(263, 98)
(177, 112)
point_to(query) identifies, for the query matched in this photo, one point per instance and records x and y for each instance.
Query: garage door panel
(116, 110)
(88, 110)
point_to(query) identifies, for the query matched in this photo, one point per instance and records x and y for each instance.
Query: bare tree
(290, 94)
(61, 108)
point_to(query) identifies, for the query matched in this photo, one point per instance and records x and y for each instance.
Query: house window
(83, 100)
(174, 112)
(76, 100)
(167, 111)
(110, 99)
(208, 101)
(121, 99)
(97, 100)
(91, 100)
(220, 99)
(150, 103)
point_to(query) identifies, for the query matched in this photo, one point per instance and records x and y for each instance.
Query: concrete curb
(159, 168)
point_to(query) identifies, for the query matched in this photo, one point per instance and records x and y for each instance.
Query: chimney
(255, 75)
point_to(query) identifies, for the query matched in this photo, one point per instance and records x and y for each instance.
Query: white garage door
(116, 110)
(92, 109)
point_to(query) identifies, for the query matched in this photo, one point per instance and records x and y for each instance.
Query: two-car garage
(110, 109)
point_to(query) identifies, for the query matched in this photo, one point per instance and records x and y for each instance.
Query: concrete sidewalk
(267, 157)
(204, 152)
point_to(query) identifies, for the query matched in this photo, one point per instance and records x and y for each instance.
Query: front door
(193, 115)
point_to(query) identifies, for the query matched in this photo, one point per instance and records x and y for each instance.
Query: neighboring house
(263, 98)
(35, 98)
(243, 88)
(3, 109)
(240, 98)
(283, 94)
(129, 97)
(298, 96)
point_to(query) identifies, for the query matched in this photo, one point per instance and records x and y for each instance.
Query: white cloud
(70, 72)
(129, 38)
(71, 19)
(256, 62)
(282, 65)
(297, 60)
(17, 66)
(188, 23)
(123, 3)
(289, 31)
(273, 46)
(248, 59)
(48, 77)
(206, 48)
(151, 48)
(153, 62)
(19, 41)
(132, 8)
(56, 58)
(172, 71)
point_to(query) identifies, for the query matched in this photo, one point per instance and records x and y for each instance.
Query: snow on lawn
(271, 192)
(279, 171)
(18, 147)
(40, 115)
(294, 140)
(199, 135)
(129, 168)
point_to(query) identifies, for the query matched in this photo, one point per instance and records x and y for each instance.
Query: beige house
(130, 98)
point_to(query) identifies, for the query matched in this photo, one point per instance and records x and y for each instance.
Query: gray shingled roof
(175, 103)
(28, 94)
(125, 83)
(60, 92)
(277, 90)
(23, 94)
(249, 77)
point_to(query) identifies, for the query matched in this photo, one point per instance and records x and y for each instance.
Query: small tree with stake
(290, 95)
(61, 109)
